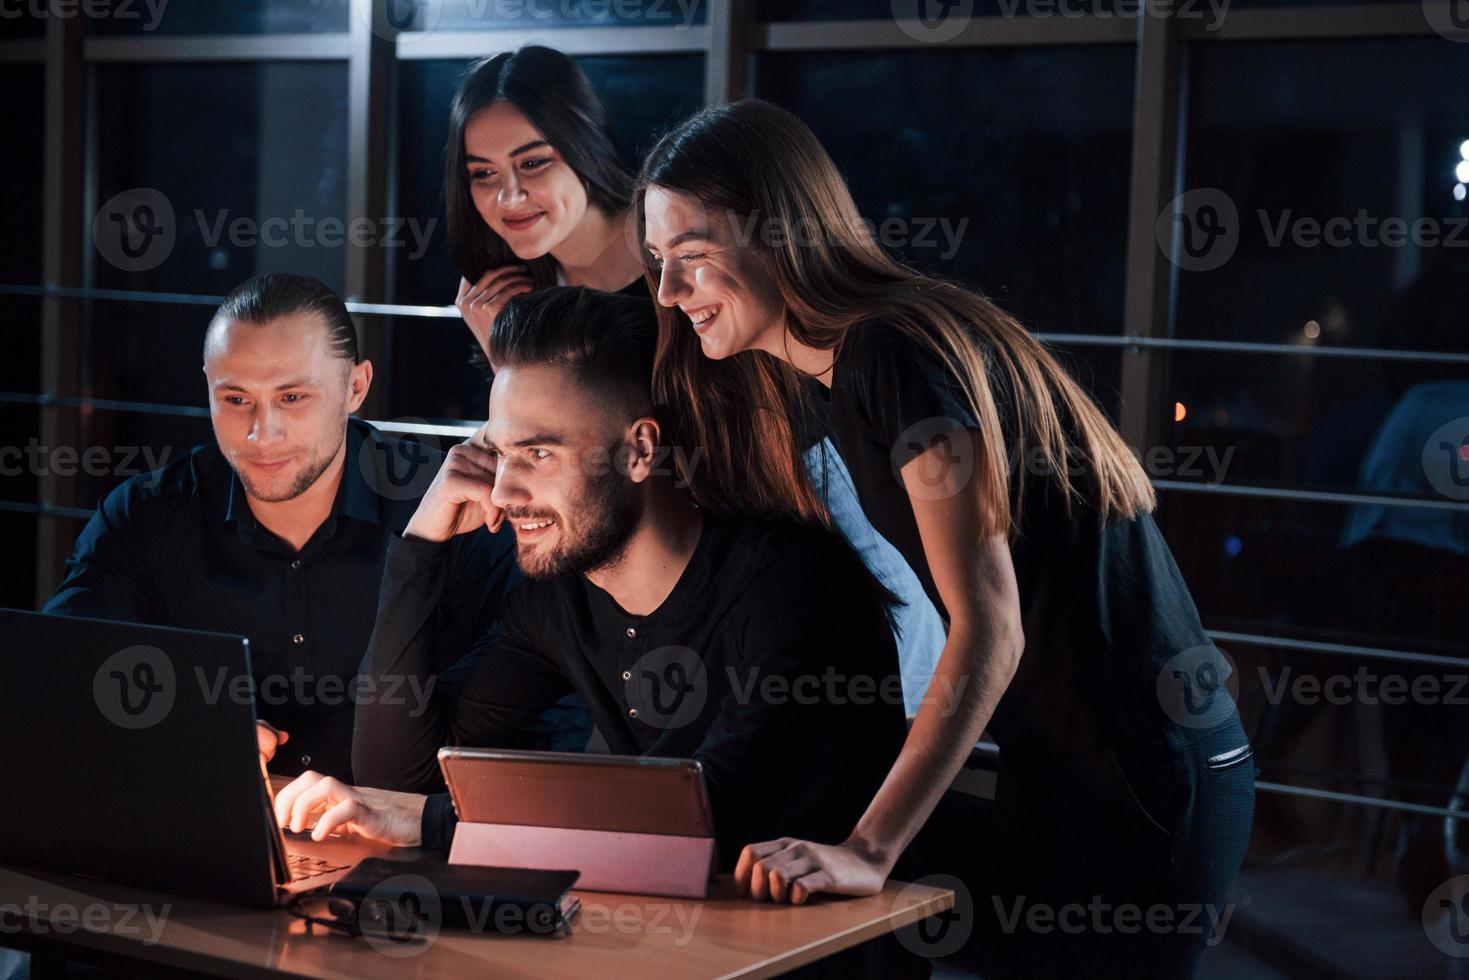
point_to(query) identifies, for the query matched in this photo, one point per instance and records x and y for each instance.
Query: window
(219, 172)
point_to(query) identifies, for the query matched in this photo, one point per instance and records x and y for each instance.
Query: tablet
(576, 791)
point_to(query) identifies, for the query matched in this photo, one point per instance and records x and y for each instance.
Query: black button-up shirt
(771, 662)
(181, 547)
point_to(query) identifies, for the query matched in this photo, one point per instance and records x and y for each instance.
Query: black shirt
(735, 669)
(181, 547)
(638, 287)
(1105, 608)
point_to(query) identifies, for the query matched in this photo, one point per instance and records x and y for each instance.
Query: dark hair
(555, 95)
(277, 294)
(607, 339)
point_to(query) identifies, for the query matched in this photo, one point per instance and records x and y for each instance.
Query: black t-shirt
(1105, 609)
(770, 662)
(638, 287)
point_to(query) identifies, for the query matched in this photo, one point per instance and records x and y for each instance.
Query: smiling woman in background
(535, 192)
(1027, 519)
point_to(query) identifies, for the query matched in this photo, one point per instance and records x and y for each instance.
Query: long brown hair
(759, 162)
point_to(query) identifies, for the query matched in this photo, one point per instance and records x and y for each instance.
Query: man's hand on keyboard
(326, 806)
(269, 738)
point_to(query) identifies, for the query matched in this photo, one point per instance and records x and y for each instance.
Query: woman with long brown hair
(1072, 641)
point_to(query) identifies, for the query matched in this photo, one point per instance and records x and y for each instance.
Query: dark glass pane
(1385, 711)
(208, 174)
(433, 372)
(20, 429)
(22, 173)
(948, 15)
(488, 15)
(162, 17)
(98, 450)
(1329, 890)
(145, 352)
(22, 21)
(20, 319)
(1315, 3)
(132, 443)
(18, 579)
(103, 448)
(1331, 572)
(1348, 887)
(1006, 169)
(1314, 422)
(1323, 182)
(935, 12)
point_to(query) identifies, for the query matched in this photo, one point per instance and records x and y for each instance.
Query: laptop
(130, 755)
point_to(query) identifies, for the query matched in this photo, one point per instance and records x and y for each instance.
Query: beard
(607, 513)
(309, 474)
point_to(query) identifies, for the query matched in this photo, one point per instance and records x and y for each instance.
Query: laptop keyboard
(303, 867)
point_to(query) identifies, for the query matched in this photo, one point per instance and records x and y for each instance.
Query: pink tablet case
(609, 861)
(628, 824)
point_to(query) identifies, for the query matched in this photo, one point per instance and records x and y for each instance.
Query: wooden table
(616, 935)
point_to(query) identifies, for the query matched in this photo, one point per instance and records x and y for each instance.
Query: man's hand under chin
(326, 806)
(459, 499)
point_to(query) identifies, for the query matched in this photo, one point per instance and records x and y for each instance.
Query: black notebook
(460, 896)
